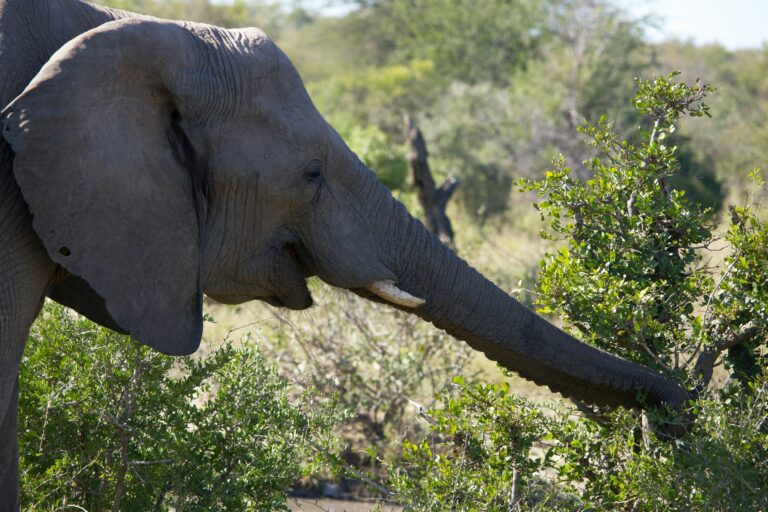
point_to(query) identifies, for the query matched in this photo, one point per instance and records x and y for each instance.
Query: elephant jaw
(387, 290)
(274, 276)
(296, 303)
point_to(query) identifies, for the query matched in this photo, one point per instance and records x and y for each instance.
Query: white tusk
(389, 292)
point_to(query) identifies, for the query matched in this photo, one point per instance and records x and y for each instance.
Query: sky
(734, 24)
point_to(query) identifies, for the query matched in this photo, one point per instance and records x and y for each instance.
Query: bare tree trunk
(514, 501)
(432, 199)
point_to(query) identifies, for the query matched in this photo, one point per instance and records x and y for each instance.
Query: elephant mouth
(276, 276)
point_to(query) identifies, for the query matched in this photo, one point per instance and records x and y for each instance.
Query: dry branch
(433, 199)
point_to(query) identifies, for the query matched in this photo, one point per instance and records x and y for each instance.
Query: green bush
(491, 451)
(478, 455)
(719, 466)
(633, 276)
(376, 96)
(107, 423)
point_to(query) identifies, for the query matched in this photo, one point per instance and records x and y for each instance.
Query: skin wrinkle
(247, 238)
(228, 218)
(209, 85)
(218, 96)
(497, 312)
(273, 276)
(229, 99)
(251, 234)
(210, 241)
(454, 288)
(329, 226)
(390, 229)
(216, 244)
(9, 218)
(239, 222)
(471, 319)
(261, 212)
(37, 44)
(383, 207)
(358, 219)
(308, 237)
(403, 264)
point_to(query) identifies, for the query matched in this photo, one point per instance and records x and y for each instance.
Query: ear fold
(97, 164)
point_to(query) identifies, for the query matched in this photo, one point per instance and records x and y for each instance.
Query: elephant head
(165, 160)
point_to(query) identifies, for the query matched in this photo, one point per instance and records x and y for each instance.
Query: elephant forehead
(252, 158)
(272, 135)
(291, 114)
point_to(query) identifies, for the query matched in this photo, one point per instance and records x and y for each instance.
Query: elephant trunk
(461, 301)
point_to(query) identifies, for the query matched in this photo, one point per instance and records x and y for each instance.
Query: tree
(433, 199)
(468, 40)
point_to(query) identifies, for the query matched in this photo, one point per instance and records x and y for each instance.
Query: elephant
(145, 163)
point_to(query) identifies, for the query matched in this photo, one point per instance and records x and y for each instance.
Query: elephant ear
(101, 158)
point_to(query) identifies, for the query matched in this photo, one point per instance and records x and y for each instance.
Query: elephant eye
(313, 171)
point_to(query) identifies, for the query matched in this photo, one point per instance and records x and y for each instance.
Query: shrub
(491, 451)
(718, 466)
(376, 362)
(383, 157)
(478, 454)
(631, 276)
(107, 423)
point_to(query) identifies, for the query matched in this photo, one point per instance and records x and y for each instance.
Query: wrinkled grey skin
(147, 162)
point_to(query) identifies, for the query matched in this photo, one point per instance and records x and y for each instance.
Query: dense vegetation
(109, 424)
(653, 247)
(629, 278)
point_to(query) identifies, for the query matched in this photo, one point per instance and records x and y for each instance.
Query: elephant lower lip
(231, 300)
(297, 303)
